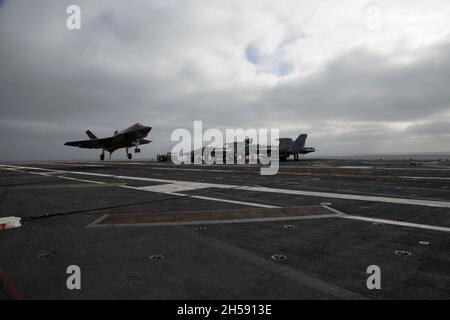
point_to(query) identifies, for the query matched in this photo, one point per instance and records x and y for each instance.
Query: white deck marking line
(337, 212)
(49, 174)
(176, 187)
(49, 171)
(364, 168)
(425, 178)
(311, 174)
(72, 164)
(15, 170)
(417, 202)
(340, 214)
(121, 163)
(204, 170)
(252, 204)
(96, 223)
(174, 181)
(397, 223)
(42, 174)
(81, 180)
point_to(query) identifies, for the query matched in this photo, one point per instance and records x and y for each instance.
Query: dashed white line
(417, 202)
(338, 214)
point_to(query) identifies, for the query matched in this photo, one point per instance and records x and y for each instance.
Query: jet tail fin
(91, 135)
(300, 141)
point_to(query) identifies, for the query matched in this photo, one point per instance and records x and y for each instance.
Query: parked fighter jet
(130, 137)
(229, 152)
(246, 150)
(288, 147)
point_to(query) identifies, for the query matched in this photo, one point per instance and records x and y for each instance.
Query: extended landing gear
(129, 156)
(102, 156)
(137, 150)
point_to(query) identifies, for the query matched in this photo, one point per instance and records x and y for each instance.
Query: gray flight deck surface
(145, 230)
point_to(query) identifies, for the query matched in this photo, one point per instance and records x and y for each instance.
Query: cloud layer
(359, 77)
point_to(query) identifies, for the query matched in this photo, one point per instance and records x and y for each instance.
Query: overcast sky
(357, 76)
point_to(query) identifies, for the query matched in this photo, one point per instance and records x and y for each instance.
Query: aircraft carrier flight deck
(149, 230)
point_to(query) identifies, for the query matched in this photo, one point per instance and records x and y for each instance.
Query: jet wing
(90, 144)
(144, 141)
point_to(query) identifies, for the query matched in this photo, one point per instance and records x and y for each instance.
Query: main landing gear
(129, 156)
(102, 156)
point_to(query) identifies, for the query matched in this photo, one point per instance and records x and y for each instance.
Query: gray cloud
(166, 64)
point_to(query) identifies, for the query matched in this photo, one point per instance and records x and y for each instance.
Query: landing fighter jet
(288, 147)
(128, 138)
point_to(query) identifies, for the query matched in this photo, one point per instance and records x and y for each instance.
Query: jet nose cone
(147, 129)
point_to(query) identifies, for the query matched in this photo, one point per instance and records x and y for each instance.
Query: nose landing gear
(136, 149)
